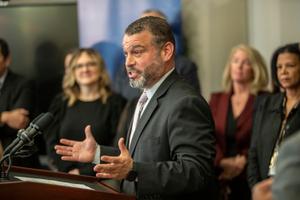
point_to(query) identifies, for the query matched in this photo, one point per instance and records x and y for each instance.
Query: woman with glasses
(86, 100)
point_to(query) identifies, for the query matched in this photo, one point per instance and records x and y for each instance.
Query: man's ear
(7, 61)
(167, 51)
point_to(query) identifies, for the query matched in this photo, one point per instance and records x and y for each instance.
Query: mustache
(132, 69)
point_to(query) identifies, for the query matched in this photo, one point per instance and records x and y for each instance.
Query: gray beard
(140, 83)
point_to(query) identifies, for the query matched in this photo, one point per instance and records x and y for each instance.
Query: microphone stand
(4, 173)
(24, 137)
(14, 143)
(13, 148)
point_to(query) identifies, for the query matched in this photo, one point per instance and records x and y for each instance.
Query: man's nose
(129, 61)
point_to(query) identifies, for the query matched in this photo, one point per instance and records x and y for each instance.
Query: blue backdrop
(102, 23)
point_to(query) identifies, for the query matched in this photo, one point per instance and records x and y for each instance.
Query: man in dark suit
(16, 103)
(169, 149)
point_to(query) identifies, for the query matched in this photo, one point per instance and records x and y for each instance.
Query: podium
(28, 183)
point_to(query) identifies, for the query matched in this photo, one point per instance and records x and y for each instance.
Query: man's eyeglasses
(88, 64)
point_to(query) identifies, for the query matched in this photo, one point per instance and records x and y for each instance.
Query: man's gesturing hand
(80, 151)
(116, 167)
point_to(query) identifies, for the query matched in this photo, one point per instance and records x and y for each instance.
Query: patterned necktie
(143, 99)
(138, 113)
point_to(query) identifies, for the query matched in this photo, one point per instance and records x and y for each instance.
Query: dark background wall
(39, 36)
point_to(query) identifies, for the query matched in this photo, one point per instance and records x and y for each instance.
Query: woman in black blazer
(277, 115)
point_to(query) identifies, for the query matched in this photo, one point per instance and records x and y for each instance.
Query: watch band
(132, 174)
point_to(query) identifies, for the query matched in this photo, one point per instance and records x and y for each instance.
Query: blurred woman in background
(277, 115)
(245, 76)
(87, 100)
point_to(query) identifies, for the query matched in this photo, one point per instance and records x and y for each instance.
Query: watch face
(131, 175)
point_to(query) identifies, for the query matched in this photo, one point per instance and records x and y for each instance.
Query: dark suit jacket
(286, 181)
(266, 127)
(173, 145)
(219, 104)
(16, 92)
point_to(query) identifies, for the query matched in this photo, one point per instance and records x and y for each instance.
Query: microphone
(26, 136)
(11, 145)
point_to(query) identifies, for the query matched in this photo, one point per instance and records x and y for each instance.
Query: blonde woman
(87, 100)
(245, 76)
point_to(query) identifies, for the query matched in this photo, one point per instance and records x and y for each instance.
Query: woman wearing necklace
(245, 76)
(87, 100)
(277, 115)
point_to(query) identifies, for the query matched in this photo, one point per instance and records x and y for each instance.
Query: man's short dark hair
(4, 48)
(157, 26)
(158, 12)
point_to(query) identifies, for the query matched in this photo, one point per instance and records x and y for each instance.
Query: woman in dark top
(86, 99)
(245, 75)
(277, 116)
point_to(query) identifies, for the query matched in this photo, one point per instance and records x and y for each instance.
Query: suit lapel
(246, 112)
(150, 109)
(275, 114)
(223, 112)
(129, 132)
(142, 123)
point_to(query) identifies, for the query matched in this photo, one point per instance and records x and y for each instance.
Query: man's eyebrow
(134, 47)
(137, 46)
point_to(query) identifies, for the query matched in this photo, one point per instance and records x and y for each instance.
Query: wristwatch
(132, 174)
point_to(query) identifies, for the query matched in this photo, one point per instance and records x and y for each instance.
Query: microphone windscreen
(44, 121)
(37, 118)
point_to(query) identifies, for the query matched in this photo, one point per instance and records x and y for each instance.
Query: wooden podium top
(28, 183)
